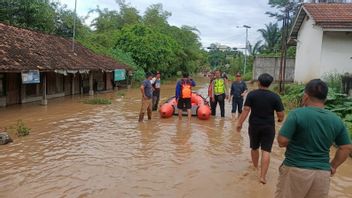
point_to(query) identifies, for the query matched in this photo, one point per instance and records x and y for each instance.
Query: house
(323, 36)
(36, 66)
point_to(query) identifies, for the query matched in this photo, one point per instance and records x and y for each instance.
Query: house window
(2, 85)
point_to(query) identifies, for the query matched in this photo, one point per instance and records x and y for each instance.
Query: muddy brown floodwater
(80, 150)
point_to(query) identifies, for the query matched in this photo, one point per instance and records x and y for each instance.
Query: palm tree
(271, 35)
(255, 49)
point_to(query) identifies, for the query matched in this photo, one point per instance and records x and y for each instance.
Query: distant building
(323, 36)
(36, 66)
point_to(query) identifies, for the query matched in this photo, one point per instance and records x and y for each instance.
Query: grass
(97, 101)
(120, 93)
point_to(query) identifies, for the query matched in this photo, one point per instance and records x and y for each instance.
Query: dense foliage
(144, 42)
(336, 102)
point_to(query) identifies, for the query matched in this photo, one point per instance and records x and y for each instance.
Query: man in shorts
(308, 133)
(184, 95)
(262, 103)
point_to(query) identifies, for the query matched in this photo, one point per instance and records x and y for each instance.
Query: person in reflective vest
(220, 93)
(184, 94)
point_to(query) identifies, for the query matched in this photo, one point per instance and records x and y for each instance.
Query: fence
(271, 65)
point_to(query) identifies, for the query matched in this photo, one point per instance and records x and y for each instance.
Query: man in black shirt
(262, 103)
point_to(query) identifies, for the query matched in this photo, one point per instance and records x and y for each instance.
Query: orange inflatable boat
(200, 107)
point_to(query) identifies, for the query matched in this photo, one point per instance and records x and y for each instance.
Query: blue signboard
(31, 77)
(119, 74)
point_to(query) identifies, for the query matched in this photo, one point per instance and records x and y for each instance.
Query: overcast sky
(216, 19)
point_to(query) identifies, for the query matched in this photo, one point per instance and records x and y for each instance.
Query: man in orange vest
(184, 95)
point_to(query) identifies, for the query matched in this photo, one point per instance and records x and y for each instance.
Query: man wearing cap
(156, 90)
(238, 91)
(147, 94)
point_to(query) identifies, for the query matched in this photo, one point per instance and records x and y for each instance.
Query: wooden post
(23, 93)
(44, 99)
(91, 91)
(73, 85)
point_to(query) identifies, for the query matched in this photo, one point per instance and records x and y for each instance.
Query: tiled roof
(330, 12)
(22, 49)
(326, 15)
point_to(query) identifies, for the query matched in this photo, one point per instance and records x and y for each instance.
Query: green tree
(129, 15)
(271, 35)
(255, 49)
(38, 15)
(150, 49)
(107, 20)
(156, 16)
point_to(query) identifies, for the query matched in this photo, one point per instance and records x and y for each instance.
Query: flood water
(80, 150)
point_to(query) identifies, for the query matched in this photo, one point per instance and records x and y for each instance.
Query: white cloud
(215, 19)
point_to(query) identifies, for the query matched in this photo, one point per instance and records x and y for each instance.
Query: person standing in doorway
(220, 93)
(156, 90)
(147, 94)
(238, 91)
(262, 103)
(184, 95)
(308, 133)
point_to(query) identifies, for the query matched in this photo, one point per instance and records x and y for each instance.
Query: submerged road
(80, 150)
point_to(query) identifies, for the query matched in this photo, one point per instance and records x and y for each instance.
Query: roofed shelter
(36, 66)
(323, 35)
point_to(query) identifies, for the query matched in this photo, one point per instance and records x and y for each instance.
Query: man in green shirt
(308, 134)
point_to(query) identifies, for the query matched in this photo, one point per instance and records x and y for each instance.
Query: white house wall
(309, 43)
(336, 53)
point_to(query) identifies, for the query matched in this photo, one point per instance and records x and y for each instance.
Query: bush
(334, 81)
(20, 129)
(98, 101)
(293, 96)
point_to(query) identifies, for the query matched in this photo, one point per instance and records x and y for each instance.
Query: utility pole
(284, 38)
(74, 27)
(246, 48)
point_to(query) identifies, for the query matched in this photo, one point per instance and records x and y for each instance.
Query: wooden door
(13, 88)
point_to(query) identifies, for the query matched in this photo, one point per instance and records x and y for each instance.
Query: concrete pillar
(91, 91)
(73, 85)
(44, 99)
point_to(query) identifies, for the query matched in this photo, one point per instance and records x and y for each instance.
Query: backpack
(186, 89)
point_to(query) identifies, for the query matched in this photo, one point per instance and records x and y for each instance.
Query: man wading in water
(147, 94)
(156, 90)
(308, 133)
(184, 95)
(219, 92)
(262, 103)
(238, 91)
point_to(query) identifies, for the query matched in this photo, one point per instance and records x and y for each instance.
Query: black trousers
(237, 103)
(155, 99)
(221, 100)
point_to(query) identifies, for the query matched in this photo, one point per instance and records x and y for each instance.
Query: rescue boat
(200, 107)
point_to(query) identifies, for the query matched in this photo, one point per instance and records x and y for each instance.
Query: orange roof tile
(336, 13)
